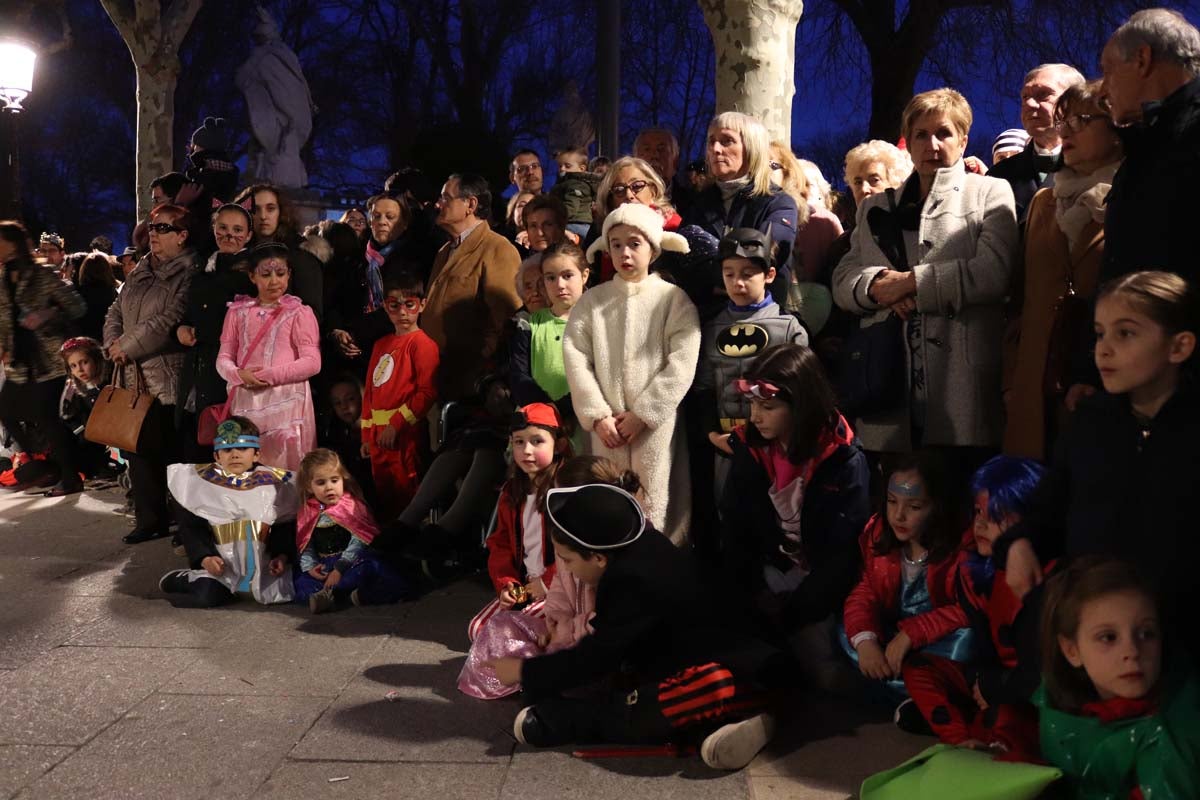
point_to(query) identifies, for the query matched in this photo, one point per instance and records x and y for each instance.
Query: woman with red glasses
(270, 347)
(139, 337)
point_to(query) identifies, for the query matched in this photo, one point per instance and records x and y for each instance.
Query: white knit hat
(645, 219)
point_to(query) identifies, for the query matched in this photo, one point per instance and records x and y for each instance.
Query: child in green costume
(1113, 719)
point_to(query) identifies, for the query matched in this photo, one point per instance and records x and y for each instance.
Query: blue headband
(230, 436)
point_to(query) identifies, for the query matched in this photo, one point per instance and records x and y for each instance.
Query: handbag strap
(262, 332)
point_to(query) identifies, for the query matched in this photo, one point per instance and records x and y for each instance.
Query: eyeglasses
(264, 271)
(621, 189)
(1076, 123)
(163, 227)
(763, 390)
(522, 169)
(408, 304)
(775, 165)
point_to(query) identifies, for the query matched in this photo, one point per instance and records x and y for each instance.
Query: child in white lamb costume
(630, 352)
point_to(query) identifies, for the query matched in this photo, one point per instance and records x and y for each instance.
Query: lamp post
(16, 81)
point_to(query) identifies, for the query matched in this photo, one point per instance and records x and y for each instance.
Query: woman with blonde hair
(933, 262)
(738, 156)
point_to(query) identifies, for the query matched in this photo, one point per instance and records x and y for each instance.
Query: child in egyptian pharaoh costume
(229, 521)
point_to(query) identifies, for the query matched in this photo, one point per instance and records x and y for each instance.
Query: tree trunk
(155, 126)
(893, 77)
(153, 34)
(755, 44)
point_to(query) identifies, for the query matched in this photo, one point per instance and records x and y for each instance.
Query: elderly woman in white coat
(960, 242)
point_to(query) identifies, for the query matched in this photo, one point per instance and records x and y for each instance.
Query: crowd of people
(726, 432)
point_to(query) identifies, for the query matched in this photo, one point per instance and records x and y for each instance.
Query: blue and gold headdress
(230, 435)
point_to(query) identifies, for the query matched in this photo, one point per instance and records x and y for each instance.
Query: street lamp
(16, 81)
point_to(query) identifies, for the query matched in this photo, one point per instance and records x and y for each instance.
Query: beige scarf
(1079, 199)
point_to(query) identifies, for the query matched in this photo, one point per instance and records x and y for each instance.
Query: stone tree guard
(755, 44)
(153, 33)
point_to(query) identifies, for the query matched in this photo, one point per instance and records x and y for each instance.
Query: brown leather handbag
(119, 413)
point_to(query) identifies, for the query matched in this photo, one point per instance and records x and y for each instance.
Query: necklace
(920, 562)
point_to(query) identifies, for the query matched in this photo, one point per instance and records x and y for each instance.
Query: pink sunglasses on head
(763, 390)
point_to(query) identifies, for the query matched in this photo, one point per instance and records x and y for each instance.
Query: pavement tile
(283, 655)
(831, 746)
(430, 721)
(82, 525)
(774, 788)
(142, 622)
(70, 694)
(310, 780)
(20, 764)
(181, 747)
(557, 774)
(34, 623)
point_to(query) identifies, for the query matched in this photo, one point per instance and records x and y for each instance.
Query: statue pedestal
(307, 207)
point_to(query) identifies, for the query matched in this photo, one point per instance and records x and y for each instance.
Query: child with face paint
(1117, 717)
(985, 704)
(520, 558)
(905, 601)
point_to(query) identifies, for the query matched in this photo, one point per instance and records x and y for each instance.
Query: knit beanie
(645, 219)
(597, 516)
(1012, 140)
(211, 135)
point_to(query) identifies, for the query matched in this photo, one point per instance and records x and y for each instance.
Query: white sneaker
(735, 745)
(519, 723)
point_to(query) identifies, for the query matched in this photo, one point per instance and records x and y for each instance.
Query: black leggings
(36, 403)
(482, 472)
(148, 469)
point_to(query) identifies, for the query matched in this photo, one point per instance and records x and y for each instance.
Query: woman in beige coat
(1064, 245)
(960, 241)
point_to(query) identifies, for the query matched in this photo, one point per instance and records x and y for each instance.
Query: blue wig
(1009, 482)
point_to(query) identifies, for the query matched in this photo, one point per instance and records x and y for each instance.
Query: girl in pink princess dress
(268, 372)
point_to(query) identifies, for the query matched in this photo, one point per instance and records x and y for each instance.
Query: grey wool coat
(963, 255)
(143, 319)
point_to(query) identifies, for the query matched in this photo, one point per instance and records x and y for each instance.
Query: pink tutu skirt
(507, 634)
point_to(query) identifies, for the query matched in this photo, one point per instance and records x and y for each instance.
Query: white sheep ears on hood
(671, 242)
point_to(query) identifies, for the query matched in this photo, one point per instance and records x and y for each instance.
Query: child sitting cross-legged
(906, 599)
(229, 513)
(985, 704)
(520, 560)
(686, 673)
(87, 373)
(333, 531)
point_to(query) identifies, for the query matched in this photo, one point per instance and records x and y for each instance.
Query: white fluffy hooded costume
(634, 347)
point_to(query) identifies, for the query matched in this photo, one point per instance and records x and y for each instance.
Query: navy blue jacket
(774, 214)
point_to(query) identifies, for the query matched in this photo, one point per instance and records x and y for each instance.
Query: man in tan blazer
(472, 287)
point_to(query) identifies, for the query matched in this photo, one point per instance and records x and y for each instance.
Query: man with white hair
(1033, 167)
(1151, 87)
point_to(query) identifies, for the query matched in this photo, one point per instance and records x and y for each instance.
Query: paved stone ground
(106, 691)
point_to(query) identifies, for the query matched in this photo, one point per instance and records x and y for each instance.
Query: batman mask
(742, 340)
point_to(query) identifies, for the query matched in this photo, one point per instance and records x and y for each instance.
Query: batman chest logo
(742, 340)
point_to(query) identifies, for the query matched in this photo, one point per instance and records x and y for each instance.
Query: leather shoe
(137, 536)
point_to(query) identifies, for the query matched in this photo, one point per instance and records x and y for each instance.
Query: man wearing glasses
(472, 287)
(1032, 168)
(525, 172)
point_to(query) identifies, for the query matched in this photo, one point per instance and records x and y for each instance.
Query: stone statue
(571, 128)
(280, 108)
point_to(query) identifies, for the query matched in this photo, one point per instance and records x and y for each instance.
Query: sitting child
(399, 394)
(1116, 719)
(685, 673)
(520, 560)
(985, 704)
(905, 600)
(569, 608)
(87, 373)
(333, 529)
(342, 432)
(226, 511)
